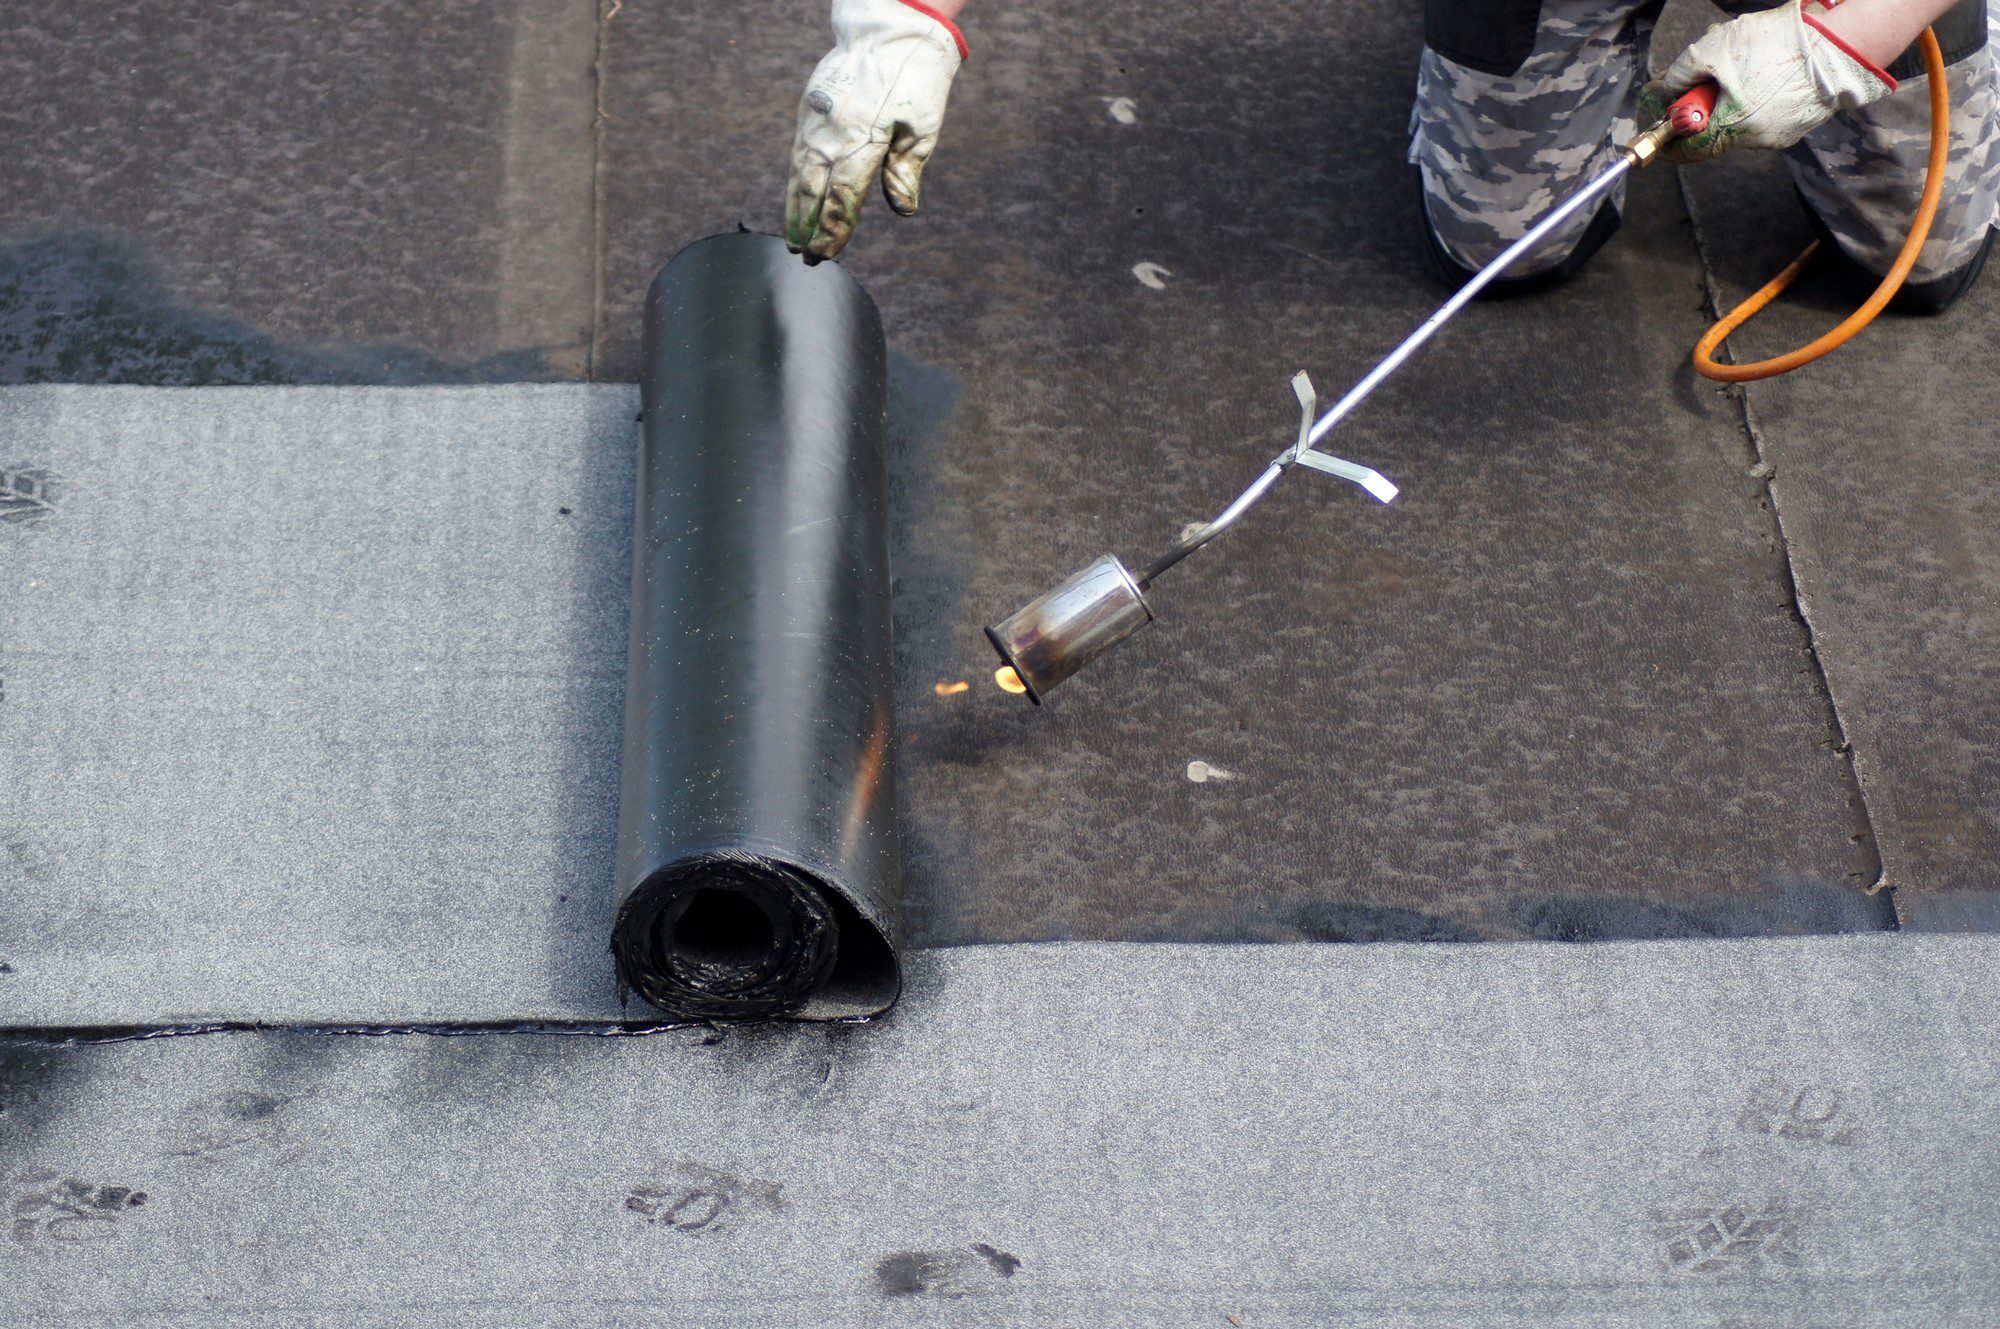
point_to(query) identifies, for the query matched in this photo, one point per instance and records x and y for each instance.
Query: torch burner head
(1058, 633)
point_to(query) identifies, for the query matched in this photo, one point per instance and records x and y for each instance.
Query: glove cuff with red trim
(957, 37)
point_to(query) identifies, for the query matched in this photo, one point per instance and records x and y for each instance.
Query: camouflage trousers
(1498, 150)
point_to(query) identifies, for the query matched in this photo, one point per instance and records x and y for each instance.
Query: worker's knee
(1560, 258)
(1465, 234)
(1516, 101)
(1862, 173)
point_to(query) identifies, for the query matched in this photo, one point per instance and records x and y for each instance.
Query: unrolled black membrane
(757, 863)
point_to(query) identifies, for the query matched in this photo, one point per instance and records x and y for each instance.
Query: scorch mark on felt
(1729, 1238)
(230, 1123)
(1810, 1112)
(44, 1205)
(28, 493)
(688, 1196)
(976, 1270)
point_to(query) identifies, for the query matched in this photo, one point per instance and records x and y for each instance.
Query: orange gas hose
(1920, 229)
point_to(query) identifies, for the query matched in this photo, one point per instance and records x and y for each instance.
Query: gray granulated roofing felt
(313, 704)
(1792, 1132)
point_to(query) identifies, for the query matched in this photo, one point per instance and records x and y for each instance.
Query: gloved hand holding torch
(1783, 72)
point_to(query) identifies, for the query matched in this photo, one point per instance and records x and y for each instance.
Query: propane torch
(1061, 631)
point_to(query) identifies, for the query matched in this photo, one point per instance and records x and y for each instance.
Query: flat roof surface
(1635, 657)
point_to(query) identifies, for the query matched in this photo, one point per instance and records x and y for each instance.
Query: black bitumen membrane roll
(757, 855)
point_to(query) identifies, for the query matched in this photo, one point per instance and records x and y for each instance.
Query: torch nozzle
(1058, 633)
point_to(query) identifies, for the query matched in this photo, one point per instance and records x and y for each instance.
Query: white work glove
(879, 93)
(1781, 73)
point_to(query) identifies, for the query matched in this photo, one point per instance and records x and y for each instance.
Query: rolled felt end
(727, 936)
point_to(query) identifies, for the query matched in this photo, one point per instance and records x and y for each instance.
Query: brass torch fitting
(1646, 146)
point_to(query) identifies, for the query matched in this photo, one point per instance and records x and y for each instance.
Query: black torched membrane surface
(1560, 689)
(1886, 472)
(1557, 690)
(218, 191)
(757, 865)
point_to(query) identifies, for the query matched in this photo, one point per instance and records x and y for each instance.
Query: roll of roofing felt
(757, 864)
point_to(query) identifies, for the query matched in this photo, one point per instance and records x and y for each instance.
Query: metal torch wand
(1058, 633)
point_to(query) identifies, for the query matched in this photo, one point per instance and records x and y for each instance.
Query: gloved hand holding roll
(874, 104)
